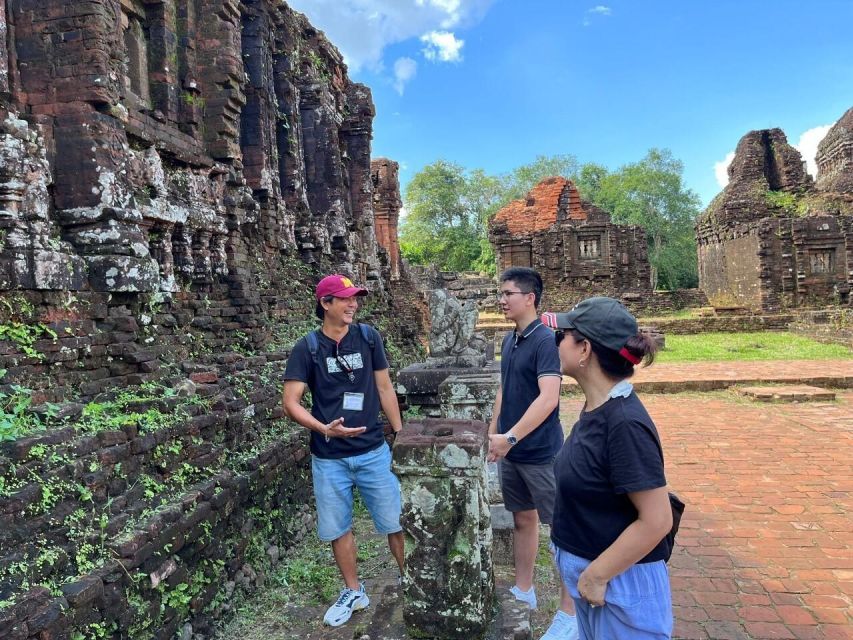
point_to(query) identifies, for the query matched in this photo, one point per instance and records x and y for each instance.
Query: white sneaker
(564, 627)
(346, 603)
(525, 596)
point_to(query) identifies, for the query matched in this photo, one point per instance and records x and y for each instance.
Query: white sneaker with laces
(525, 596)
(564, 627)
(347, 602)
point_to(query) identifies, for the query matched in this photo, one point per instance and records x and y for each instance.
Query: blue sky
(494, 83)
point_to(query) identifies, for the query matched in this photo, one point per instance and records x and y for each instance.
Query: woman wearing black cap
(612, 510)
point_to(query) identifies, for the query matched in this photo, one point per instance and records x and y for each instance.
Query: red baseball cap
(338, 286)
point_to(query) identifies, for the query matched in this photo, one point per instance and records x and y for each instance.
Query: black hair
(527, 279)
(319, 311)
(613, 363)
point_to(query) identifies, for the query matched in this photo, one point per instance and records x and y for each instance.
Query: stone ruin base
(383, 619)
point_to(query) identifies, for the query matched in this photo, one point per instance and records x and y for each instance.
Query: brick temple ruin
(174, 175)
(572, 243)
(776, 239)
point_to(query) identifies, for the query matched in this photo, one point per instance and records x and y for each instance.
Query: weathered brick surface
(775, 239)
(764, 549)
(387, 203)
(743, 568)
(173, 178)
(572, 243)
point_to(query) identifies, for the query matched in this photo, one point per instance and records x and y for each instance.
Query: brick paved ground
(705, 376)
(765, 547)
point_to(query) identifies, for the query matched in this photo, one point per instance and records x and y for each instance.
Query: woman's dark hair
(319, 311)
(614, 364)
(527, 279)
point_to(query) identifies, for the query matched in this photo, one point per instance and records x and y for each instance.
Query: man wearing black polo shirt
(525, 433)
(344, 365)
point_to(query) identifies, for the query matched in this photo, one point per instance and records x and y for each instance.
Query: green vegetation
(24, 336)
(449, 208)
(16, 419)
(304, 583)
(748, 346)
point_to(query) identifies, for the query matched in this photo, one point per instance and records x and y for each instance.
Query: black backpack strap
(313, 346)
(368, 334)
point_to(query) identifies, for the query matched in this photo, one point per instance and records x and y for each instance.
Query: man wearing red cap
(344, 365)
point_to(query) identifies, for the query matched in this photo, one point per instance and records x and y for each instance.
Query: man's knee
(526, 519)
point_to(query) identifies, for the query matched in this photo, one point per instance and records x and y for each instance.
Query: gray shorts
(528, 486)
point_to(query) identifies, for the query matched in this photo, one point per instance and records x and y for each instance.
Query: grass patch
(748, 346)
(304, 584)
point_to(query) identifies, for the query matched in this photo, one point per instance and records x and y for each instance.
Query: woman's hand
(592, 587)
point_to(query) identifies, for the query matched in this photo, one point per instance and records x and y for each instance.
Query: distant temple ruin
(572, 243)
(775, 239)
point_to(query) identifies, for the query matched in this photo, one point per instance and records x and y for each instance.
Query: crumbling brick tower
(572, 243)
(171, 129)
(773, 238)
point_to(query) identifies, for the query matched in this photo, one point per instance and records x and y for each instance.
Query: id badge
(353, 401)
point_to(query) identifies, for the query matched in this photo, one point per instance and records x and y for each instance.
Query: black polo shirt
(525, 358)
(328, 383)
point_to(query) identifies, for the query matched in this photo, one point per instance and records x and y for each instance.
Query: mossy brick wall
(193, 490)
(158, 252)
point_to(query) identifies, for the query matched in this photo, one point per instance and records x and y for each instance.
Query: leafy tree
(520, 180)
(447, 210)
(651, 194)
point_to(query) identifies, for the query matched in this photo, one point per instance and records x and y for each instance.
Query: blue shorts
(637, 602)
(334, 480)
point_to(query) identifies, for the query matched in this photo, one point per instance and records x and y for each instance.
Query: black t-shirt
(329, 382)
(612, 451)
(524, 359)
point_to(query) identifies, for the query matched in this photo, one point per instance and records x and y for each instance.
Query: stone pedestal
(471, 396)
(420, 384)
(449, 585)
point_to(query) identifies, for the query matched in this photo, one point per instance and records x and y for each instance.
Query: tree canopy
(448, 209)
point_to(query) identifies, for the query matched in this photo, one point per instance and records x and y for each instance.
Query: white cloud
(807, 146)
(404, 70)
(443, 46)
(721, 169)
(600, 10)
(361, 29)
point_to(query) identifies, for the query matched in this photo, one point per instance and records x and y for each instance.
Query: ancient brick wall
(727, 270)
(835, 157)
(174, 176)
(572, 243)
(774, 239)
(387, 203)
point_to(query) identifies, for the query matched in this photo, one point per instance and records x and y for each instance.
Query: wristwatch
(511, 439)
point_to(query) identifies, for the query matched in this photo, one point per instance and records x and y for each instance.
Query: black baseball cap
(601, 319)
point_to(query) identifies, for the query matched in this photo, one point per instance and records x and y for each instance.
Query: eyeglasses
(507, 294)
(559, 334)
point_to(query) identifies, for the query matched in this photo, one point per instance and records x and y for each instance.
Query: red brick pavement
(703, 376)
(765, 548)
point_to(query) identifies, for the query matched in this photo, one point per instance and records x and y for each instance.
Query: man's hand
(336, 429)
(390, 434)
(498, 447)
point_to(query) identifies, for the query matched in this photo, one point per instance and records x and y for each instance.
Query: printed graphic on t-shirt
(353, 361)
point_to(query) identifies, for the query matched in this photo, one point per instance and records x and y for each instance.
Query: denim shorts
(379, 488)
(637, 602)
